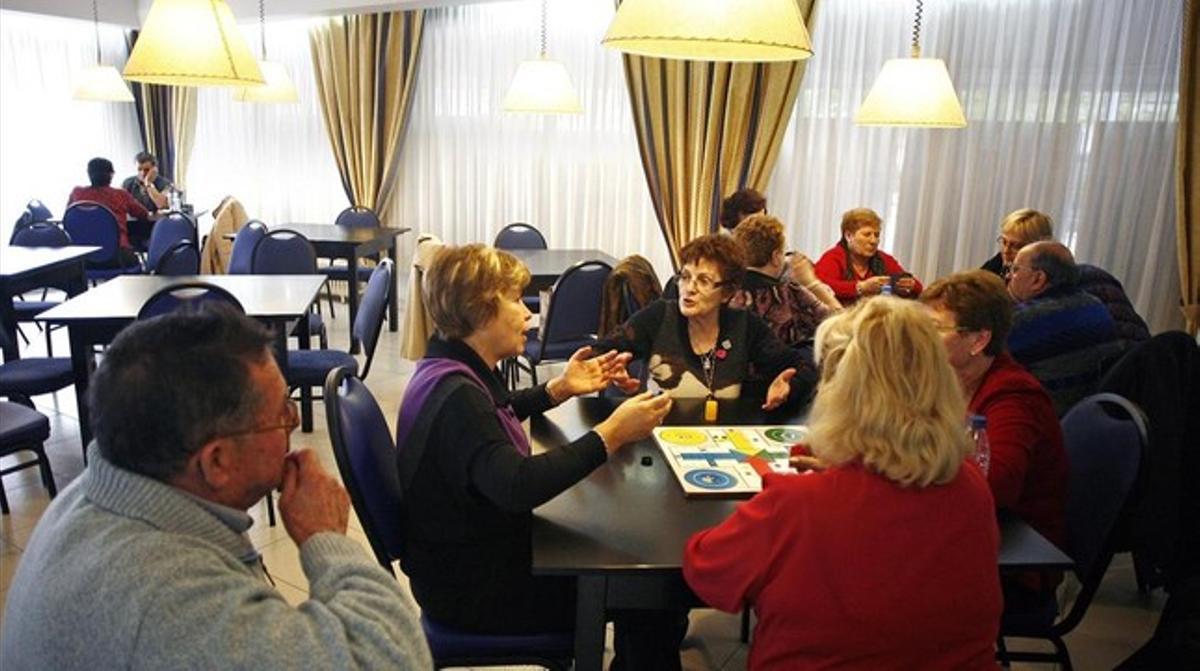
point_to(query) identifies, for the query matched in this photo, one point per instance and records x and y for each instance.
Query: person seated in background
(856, 267)
(886, 556)
(119, 202)
(772, 286)
(739, 205)
(150, 189)
(1028, 466)
(469, 479)
(144, 561)
(1060, 333)
(697, 346)
(1026, 226)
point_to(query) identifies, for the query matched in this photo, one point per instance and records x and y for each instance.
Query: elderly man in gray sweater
(144, 563)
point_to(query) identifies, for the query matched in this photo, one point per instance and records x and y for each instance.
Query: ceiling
(131, 12)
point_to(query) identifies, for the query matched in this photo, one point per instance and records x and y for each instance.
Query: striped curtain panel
(707, 129)
(365, 67)
(167, 121)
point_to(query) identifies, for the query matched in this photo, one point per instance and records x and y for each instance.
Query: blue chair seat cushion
(310, 367)
(554, 351)
(20, 425)
(341, 272)
(32, 377)
(448, 643)
(27, 310)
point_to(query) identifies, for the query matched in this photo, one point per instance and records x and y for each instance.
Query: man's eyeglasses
(702, 282)
(288, 422)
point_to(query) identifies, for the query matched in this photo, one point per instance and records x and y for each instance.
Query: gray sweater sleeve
(356, 617)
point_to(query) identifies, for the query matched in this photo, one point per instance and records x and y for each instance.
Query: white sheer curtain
(46, 138)
(275, 158)
(468, 168)
(1072, 110)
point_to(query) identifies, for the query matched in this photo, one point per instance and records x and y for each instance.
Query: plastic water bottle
(173, 200)
(983, 450)
(885, 290)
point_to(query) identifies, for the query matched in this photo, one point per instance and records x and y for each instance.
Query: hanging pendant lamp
(711, 30)
(278, 87)
(100, 82)
(192, 43)
(542, 86)
(914, 92)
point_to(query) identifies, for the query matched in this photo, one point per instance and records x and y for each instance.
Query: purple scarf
(425, 379)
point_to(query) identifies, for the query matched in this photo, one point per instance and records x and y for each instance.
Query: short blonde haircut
(760, 236)
(852, 220)
(832, 336)
(1027, 225)
(893, 402)
(464, 285)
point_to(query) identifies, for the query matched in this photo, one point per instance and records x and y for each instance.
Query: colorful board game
(726, 461)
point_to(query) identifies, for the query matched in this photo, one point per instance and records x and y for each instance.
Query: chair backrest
(366, 459)
(244, 242)
(24, 221)
(38, 211)
(186, 296)
(169, 231)
(574, 312)
(357, 217)
(284, 252)
(183, 258)
(671, 288)
(40, 234)
(372, 309)
(519, 236)
(90, 223)
(632, 285)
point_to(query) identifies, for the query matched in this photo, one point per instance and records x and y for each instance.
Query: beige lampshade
(192, 43)
(711, 30)
(101, 83)
(278, 89)
(542, 86)
(913, 92)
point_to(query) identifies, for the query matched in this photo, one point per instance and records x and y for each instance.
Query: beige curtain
(706, 129)
(183, 129)
(365, 68)
(1187, 168)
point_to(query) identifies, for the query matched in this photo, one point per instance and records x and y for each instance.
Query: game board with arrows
(726, 461)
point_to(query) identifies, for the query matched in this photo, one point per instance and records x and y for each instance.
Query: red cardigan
(845, 569)
(831, 269)
(1028, 470)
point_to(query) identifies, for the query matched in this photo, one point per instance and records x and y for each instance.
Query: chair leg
(329, 299)
(3, 498)
(1064, 655)
(1002, 652)
(47, 474)
(306, 409)
(271, 509)
(746, 624)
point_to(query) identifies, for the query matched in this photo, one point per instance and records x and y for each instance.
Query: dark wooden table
(353, 243)
(95, 317)
(545, 265)
(621, 531)
(26, 268)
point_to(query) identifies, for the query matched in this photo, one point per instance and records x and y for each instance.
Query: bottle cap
(978, 421)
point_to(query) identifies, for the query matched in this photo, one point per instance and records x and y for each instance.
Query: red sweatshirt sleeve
(726, 564)
(831, 269)
(1013, 432)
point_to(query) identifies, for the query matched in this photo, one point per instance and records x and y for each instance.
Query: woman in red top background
(1028, 469)
(887, 557)
(119, 201)
(856, 267)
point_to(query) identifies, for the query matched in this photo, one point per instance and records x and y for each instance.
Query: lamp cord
(916, 39)
(262, 30)
(543, 33)
(96, 23)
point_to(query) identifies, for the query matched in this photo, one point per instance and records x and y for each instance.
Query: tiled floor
(1119, 621)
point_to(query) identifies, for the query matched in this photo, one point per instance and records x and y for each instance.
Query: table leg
(352, 263)
(81, 366)
(589, 623)
(306, 395)
(393, 297)
(8, 322)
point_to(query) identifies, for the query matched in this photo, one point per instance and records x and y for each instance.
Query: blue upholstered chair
(366, 459)
(519, 236)
(168, 232)
(38, 234)
(572, 319)
(338, 271)
(24, 429)
(186, 296)
(309, 368)
(286, 252)
(242, 253)
(38, 211)
(182, 259)
(1105, 437)
(22, 379)
(90, 223)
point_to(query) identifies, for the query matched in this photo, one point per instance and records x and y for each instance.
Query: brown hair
(739, 204)
(633, 276)
(463, 287)
(721, 250)
(852, 220)
(760, 236)
(979, 302)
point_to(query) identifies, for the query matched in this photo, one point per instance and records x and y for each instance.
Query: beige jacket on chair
(418, 326)
(228, 218)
